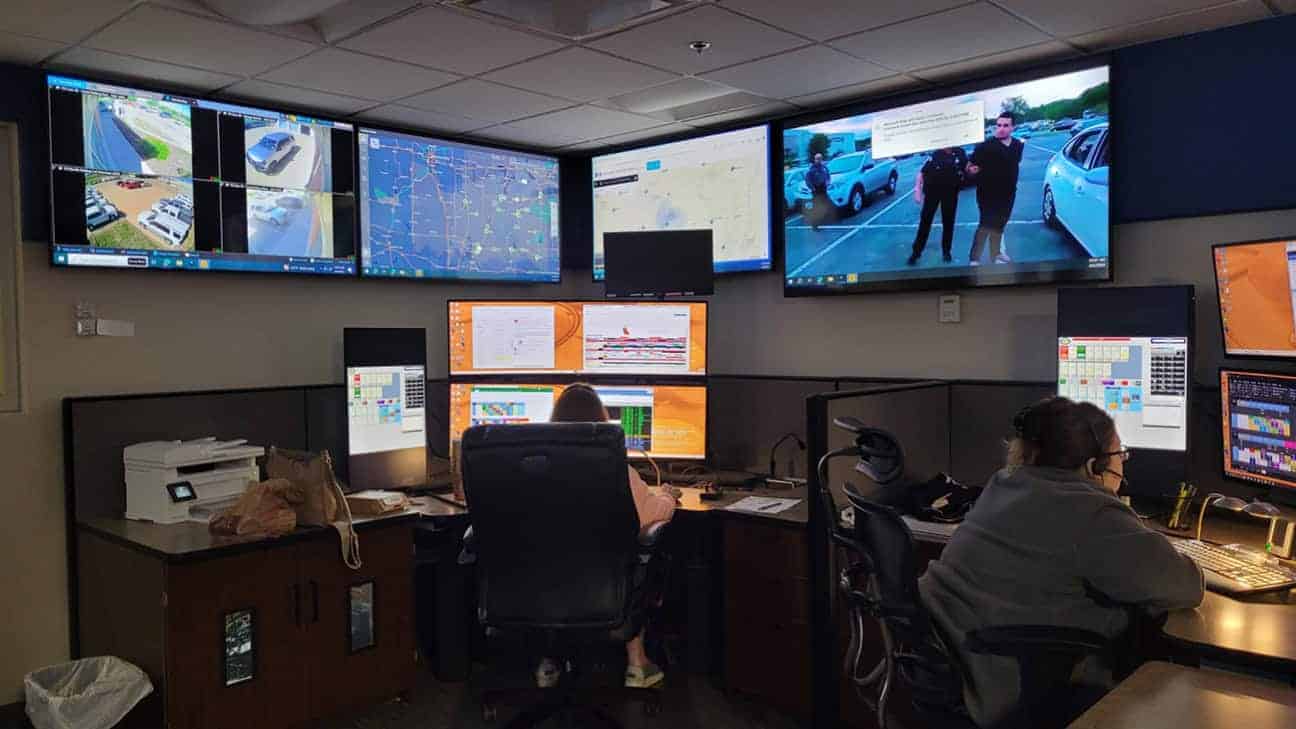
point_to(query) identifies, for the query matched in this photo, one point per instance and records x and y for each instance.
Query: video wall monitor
(1256, 285)
(1257, 410)
(663, 421)
(143, 179)
(644, 338)
(386, 380)
(658, 263)
(1001, 185)
(434, 209)
(717, 181)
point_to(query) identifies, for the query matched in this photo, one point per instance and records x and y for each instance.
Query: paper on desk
(763, 504)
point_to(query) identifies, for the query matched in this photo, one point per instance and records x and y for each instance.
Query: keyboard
(1234, 568)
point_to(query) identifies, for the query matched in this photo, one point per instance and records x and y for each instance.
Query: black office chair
(881, 581)
(560, 557)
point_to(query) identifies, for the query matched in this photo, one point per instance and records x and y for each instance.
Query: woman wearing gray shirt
(1049, 543)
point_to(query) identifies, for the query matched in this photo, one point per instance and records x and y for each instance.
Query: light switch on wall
(950, 309)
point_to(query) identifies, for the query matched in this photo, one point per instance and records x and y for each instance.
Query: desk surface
(691, 501)
(1260, 627)
(1165, 695)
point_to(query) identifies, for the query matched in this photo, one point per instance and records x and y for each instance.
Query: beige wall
(222, 331)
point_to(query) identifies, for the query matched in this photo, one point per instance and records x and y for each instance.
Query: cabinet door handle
(314, 601)
(296, 602)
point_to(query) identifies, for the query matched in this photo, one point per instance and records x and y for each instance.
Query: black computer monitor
(1256, 413)
(1128, 350)
(386, 373)
(658, 263)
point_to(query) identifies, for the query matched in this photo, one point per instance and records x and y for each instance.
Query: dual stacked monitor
(511, 360)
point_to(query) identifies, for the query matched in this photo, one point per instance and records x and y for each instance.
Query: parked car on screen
(1087, 124)
(100, 214)
(272, 214)
(1076, 189)
(270, 151)
(855, 178)
(792, 181)
(1063, 124)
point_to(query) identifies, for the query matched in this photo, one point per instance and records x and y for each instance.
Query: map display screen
(719, 182)
(444, 210)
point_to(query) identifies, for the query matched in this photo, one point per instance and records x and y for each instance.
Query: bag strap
(345, 527)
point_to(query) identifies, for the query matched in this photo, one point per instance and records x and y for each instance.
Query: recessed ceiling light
(700, 46)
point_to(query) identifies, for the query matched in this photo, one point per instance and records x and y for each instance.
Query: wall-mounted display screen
(142, 179)
(663, 421)
(445, 210)
(718, 182)
(1002, 185)
(1256, 284)
(577, 337)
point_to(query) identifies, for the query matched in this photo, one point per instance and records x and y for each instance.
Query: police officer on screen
(937, 185)
(817, 179)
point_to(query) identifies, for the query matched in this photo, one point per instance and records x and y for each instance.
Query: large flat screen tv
(435, 209)
(996, 185)
(717, 182)
(145, 179)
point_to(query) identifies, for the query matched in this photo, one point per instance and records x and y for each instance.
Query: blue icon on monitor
(653, 165)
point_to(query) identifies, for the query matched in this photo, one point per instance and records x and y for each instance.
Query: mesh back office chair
(880, 580)
(558, 548)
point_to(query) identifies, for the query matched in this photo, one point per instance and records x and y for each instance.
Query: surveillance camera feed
(142, 179)
(1018, 174)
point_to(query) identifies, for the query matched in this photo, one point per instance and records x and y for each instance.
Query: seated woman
(579, 403)
(1049, 543)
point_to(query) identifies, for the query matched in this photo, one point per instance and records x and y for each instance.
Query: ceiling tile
(786, 74)
(672, 95)
(1066, 17)
(566, 127)
(1183, 24)
(25, 49)
(419, 119)
(985, 65)
(485, 100)
(763, 111)
(63, 20)
(291, 97)
(665, 43)
(355, 74)
(580, 74)
(92, 62)
(933, 40)
(859, 92)
(647, 136)
(338, 22)
(167, 35)
(832, 18)
(445, 39)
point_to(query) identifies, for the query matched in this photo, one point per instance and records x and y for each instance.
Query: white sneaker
(1003, 258)
(974, 263)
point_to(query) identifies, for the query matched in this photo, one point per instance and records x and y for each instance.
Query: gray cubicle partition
(746, 415)
(981, 416)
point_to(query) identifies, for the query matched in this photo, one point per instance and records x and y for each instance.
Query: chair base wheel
(489, 713)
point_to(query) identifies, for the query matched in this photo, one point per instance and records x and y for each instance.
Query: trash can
(91, 693)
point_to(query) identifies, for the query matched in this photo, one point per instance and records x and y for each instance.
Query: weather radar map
(437, 209)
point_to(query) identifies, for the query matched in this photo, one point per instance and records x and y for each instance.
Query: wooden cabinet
(766, 613)
(277, 633)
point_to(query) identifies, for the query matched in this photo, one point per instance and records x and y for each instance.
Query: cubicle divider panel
(981, 415)
(917, 415)
(97, 429)
(326, 428)
(748, 414)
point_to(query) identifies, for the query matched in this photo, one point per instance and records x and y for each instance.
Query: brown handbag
(320, 500)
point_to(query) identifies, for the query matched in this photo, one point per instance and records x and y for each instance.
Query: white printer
(166, 480)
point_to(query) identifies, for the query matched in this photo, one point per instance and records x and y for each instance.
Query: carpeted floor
(687, 702)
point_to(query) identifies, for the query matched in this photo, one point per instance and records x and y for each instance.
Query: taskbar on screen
(90, 257)
(433, 274)
(946, 276)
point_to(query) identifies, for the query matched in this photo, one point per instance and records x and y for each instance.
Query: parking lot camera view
(124, 134)
(1018, 173)
(144, 179)
(126, 211)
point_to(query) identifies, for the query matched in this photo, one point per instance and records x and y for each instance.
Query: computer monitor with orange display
(1256, 282)
(640, 338)
(1257, 410)
(663, 421)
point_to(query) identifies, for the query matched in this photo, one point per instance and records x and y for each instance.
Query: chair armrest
(468, 552)
(1015, 640)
